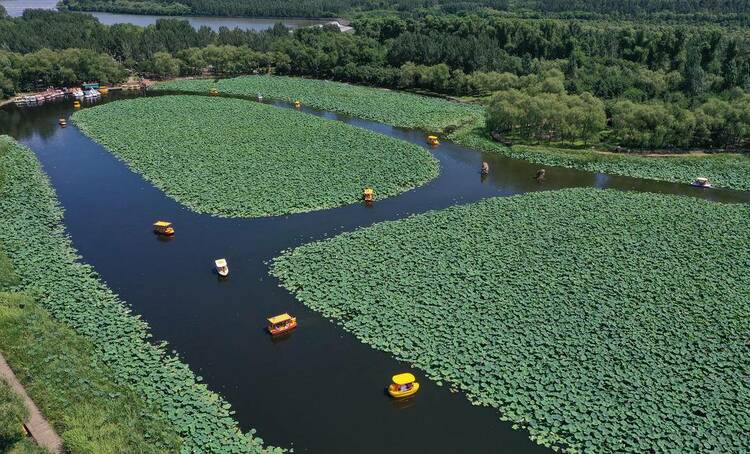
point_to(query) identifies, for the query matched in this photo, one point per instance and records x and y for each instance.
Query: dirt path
(41, 430)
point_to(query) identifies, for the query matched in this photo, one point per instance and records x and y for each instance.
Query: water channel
(15, 8)
(319, 390)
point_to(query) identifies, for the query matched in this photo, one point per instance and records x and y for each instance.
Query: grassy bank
(599, 321)
(724, 170)
(231, 157)
(13, 440)
(133, 392)
(385, 106)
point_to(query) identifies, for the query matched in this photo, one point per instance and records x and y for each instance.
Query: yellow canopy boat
(404, 385)
(163, 228)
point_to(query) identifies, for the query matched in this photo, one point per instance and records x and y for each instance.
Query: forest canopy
(658, 86)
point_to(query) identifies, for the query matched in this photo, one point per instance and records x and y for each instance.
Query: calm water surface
(319, 390)
(15, 8)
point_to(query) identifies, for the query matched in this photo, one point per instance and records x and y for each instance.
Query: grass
(722, 169)
(92, 367)
(74, 390)
(62, 375)
(598, 320)
(231, 157)
(12, 415)
(386, 106)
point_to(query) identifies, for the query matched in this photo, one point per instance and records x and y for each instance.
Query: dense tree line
(279, 8)
(640, 7)
(45, 68)
(679, 74)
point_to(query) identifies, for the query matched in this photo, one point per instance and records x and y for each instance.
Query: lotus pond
(217, 326)
(231, 157)
(598, 320)
(47, 265)
(386, 106)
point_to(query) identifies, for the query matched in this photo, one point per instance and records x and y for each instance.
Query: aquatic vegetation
(231, 157)
(48, 266)
(724, 170)
(598, 320)
(386, 106)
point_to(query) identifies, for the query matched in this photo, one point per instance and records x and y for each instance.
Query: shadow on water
(319, 389)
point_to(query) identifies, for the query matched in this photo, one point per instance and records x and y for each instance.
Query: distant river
(15, 8)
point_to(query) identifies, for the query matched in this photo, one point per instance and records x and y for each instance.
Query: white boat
(221, 267)
(702, 182)
(92, 94)
(77, 93)
(19, 100)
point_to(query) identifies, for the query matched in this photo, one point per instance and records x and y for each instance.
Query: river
(320, 390)
(15, 8)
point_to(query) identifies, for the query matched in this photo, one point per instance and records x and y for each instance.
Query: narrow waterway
(319, 390)
(15, 8)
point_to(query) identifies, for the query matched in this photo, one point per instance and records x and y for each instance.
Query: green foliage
(263, 8)
(547, 116)
(31, 230)
(244, 158)
(63, 376)
(27, 446)
(724, 170)
(394, 108)
(12, 414)
(599, 321)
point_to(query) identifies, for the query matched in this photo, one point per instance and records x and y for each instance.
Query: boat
(63, 122)
(702, 182)
(297, 104)
(90, 86)
(91, 94)
(76, 104)
(214, 92)
(221, 267)
(76, 92)
(281, 324)
(19, 101)
(259, 97)
(404, 385)
(103, 90)
(368, 195)
(163, 228)
(433, 140)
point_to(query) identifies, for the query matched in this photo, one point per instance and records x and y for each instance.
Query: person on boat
(540, 175)
(485, 168)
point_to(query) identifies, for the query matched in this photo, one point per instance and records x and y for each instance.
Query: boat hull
(402, 394)
(279, 331)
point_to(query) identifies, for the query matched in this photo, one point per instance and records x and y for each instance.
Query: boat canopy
(221, 263)
(280, 319)
(162, 224)
(404, 379)
(702, 180)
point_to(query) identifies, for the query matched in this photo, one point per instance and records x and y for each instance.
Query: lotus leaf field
(598, 320)
(385, 106)
(230, 157)
(35, 240)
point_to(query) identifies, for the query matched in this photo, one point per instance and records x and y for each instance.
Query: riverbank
(726, 170)
(122, 372)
